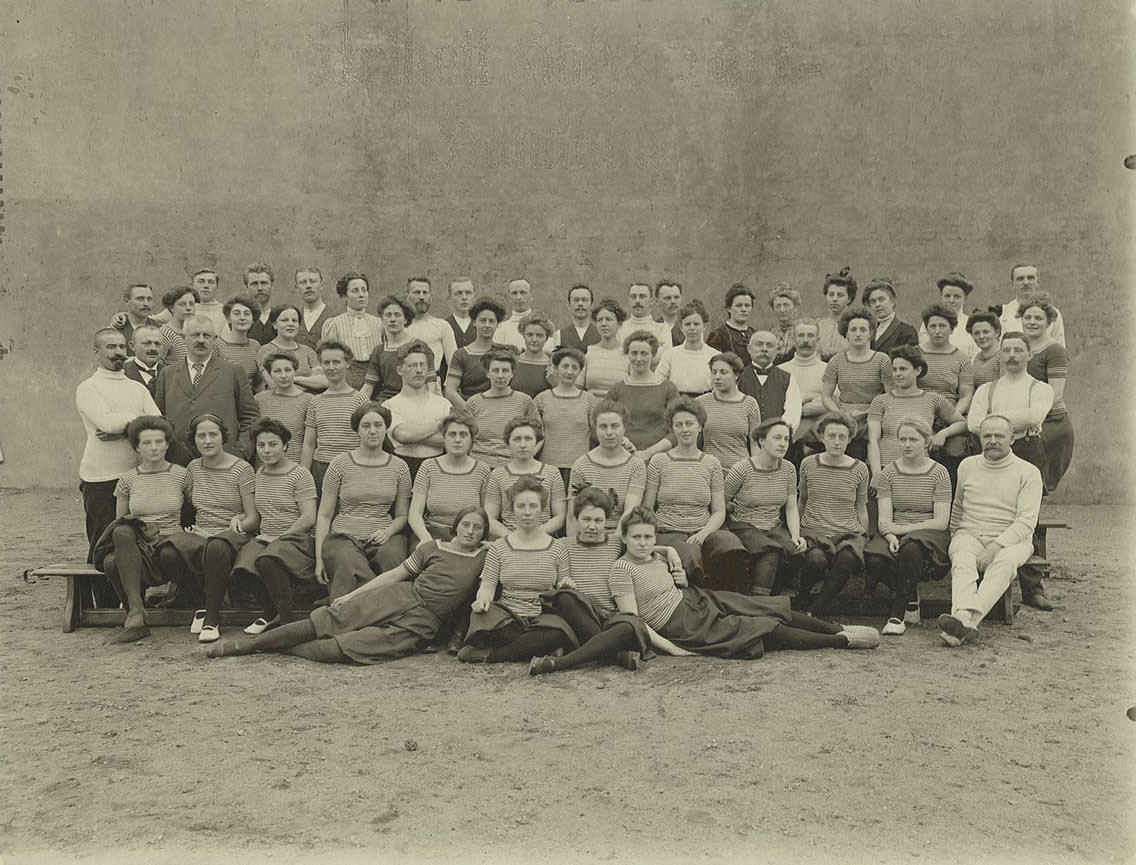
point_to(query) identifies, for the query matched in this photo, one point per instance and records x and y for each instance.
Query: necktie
(198, 369)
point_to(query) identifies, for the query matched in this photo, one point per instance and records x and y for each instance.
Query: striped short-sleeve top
(890, 408)
(523, 574)
(243, 355)
(305, 356)
(329, 419)
(590, 566)
(604, 368)
(757, 495)
(492, 413)
(156, 497)
(628, 478)
(725, 434)
(685, 487)
(279, 496)
(292, 411)
(567, 433)
(860, 382)
(1051, 364)
(913, 496)
(947, 372)
(986, 370)
(656, 594)
(448, 492)
(366, 494)
(502, 478)
(173, 348)
(834, 495)
(444, 579)
(217, 493)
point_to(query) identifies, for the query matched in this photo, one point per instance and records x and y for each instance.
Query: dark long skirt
(604, 624)
(1057, 440)
(190, 547)
(934, 543)
(725, 624)
(497, 627)
(295, 552)
(833, 544)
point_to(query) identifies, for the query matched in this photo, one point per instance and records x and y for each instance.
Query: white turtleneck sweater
(997, 501)
(108, 401)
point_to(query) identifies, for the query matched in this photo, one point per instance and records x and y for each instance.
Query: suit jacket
(900, 333)
(223, 390)
(130, 368)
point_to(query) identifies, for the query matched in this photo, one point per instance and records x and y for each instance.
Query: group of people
(523, 492)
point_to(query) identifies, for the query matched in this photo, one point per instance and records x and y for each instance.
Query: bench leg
(72, 604)
(1008, 603)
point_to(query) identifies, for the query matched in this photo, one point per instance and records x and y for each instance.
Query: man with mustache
(258, 282)
(146, 344)
(107, 402)
(314, 312)
(205, 383)
(992, 522)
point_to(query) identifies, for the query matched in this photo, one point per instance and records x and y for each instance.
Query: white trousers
(971, 600)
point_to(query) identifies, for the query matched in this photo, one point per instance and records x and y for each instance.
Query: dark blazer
(463, 337)
(900, 333)
(130, 368)
(311, 338)
(262, 331)
(223, 390)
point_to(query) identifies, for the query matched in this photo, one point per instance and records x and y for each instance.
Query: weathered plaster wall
(590, 141)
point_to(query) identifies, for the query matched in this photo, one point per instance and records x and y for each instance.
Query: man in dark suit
(258, 279)
(205, 383)
(146, 344)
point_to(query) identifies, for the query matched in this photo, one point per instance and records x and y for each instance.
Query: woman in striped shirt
(685, 487)
(355, 328)
(362, 514)
(914, 493)
(523, 435)
(531, 373)
(861, 373)
(949, 372)
(758, 489)
(1049, 362)
(181, 303)
(286, 402)
(446, 483)
(235, 346)
(833, 501)
(466, 373)
(223, 495)
(286, 320)
(148, 502)
(722, 624)
(646, 395)
(605, 634)
(383, 379)
(688, 365)
(605, 363)
(525, 564)
(908, 399)
(399, 613)
(497, 406)
(284, 550)
(731, 415)
(327, 423)
(565, 410)
(608, 466)
(985, 328)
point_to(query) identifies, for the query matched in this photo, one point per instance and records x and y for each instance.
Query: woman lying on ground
(758, 490)
(722, 624)
(833, 501)
(914, 493)
(605, 633)
(148, 503)
(523, 436)
(362, 514)
(285, 549)
(223, 494)
(396, 614)
(525, 564)
(445, 484)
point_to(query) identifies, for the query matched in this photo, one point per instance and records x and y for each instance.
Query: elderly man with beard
(107, 402)
(992, 522)
(205, 383)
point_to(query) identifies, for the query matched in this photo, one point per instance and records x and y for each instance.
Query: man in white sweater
(995, 510)
(107, 402)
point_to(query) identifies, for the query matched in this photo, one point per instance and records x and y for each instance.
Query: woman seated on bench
(722, 624)
(148, 503)
(396, 614)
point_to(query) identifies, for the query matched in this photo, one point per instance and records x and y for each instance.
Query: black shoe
(1038, 601)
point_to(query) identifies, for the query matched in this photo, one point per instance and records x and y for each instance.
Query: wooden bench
(80, 608)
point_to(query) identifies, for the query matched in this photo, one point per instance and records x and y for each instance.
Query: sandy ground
(1015, 750)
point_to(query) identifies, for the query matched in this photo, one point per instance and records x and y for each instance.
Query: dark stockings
(806, 632)
(763, 576)
(530, 644)
(125, 571)
(908, 570)
(275, 588)
(844, 565)
(602, 647)
(218, 566)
